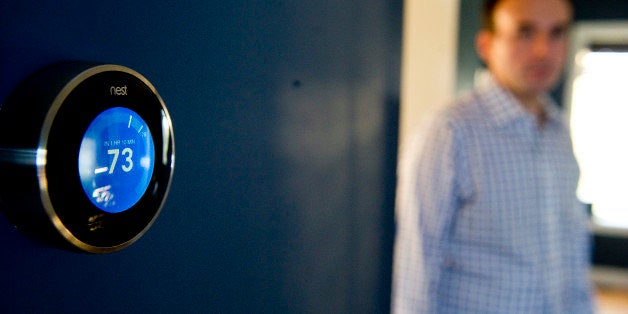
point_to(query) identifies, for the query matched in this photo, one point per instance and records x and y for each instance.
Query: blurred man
(487, 217)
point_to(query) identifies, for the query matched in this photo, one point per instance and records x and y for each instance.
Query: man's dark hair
(488, 12)
(488, 9)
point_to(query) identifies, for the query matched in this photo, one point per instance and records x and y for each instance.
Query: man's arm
(425, 207)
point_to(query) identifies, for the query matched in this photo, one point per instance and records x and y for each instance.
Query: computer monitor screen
(596, 95)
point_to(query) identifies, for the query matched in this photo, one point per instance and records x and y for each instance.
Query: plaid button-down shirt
(487, 217)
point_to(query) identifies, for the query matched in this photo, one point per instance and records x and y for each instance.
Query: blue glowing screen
(116, 159)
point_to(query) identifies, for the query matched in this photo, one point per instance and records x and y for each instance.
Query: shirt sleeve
(577, 250)
(426, 204)
(579, 295)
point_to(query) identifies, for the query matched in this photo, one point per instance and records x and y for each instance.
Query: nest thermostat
(86, 156)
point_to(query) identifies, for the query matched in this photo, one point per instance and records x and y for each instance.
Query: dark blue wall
(285, 125)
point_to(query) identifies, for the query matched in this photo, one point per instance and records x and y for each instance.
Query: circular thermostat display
(89, 150)
(116, 159)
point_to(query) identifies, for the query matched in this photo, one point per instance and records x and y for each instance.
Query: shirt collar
(504, 108)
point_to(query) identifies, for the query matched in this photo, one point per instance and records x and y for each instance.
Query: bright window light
(599, 123)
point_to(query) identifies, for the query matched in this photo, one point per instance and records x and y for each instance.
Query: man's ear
(483, 44)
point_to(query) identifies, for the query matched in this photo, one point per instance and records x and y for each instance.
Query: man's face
(527, 49)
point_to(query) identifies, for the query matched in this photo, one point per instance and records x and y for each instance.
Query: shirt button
(449, 262)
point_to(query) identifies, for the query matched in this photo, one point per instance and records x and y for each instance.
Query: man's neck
(534, 105)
